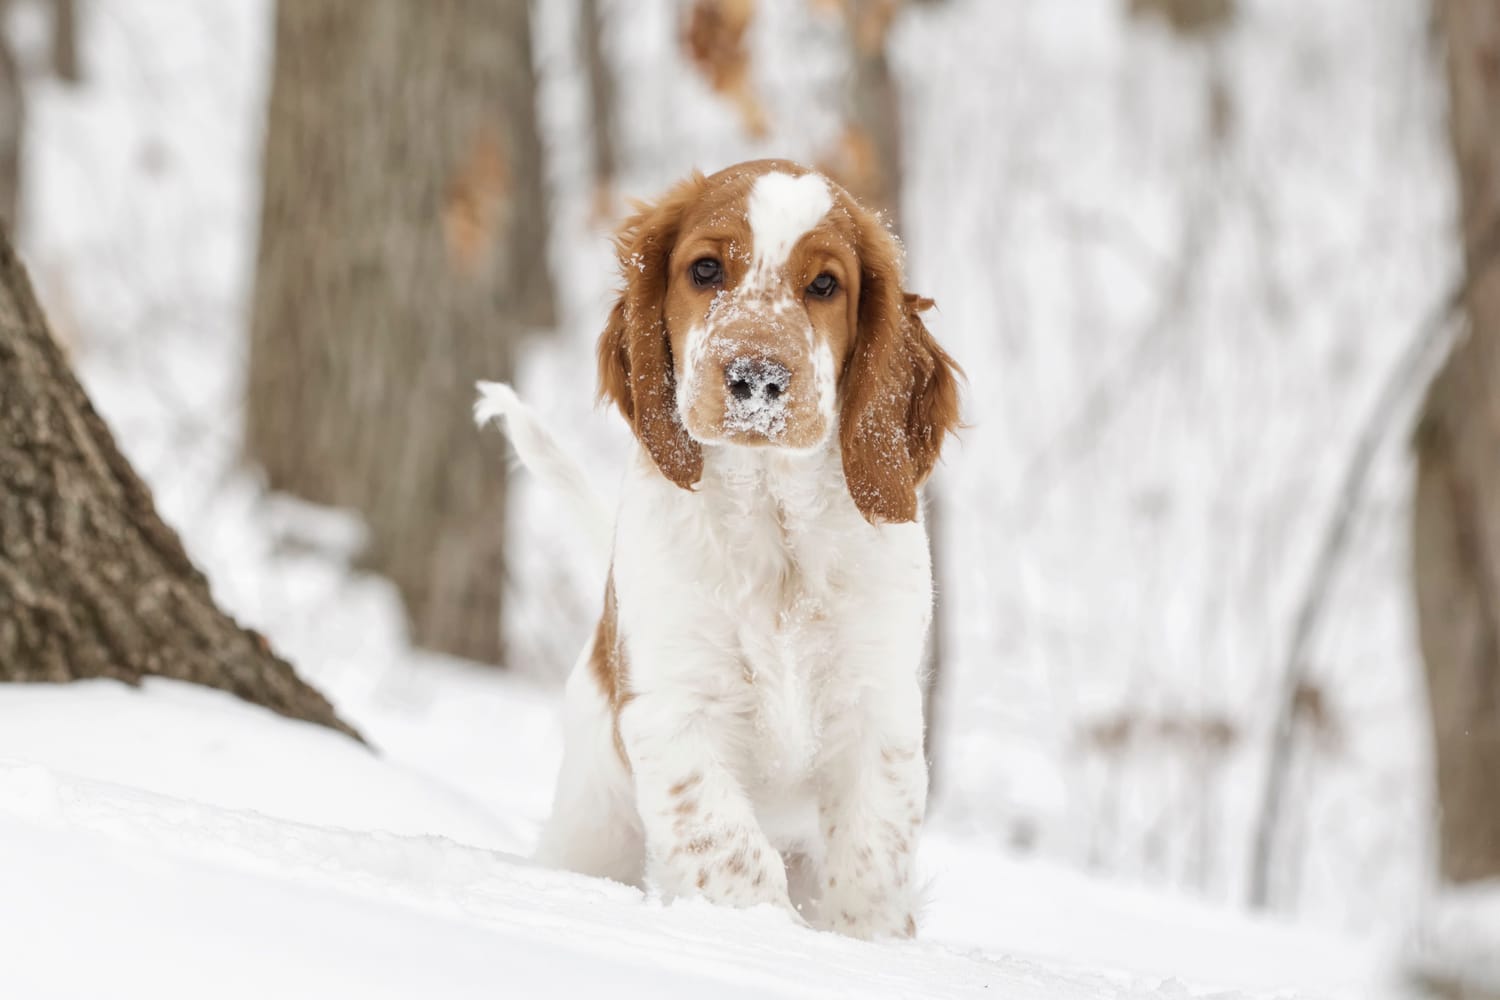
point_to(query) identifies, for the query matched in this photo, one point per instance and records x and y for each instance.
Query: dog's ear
(635, 354)
(900, 389)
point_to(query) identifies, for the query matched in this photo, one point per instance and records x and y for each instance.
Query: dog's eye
(707, 272)
(823, 286)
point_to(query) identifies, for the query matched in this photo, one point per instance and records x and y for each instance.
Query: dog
(745, 724)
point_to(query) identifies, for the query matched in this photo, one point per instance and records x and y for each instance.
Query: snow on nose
(757, 389)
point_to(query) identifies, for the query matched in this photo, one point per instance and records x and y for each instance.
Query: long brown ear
(635, 355)
(900, 388)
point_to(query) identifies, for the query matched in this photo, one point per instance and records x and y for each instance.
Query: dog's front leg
(872, 798)
(702, 838)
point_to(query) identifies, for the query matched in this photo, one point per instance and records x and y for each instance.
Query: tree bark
(92, 583)
(65, 41)
(1456, 528)
(601, 80)
(12, 129)
(875, 107)
(402, 250)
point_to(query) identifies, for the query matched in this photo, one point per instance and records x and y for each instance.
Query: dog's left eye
(707, 272)
(823, 286)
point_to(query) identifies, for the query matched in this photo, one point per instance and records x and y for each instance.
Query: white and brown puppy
(749, 710)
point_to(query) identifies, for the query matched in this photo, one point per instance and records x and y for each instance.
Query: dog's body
(746, 723)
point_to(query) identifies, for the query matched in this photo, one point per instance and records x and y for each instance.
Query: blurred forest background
(1218, 550)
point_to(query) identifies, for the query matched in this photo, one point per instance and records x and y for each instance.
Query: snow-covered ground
(1175, 273)
(172, 841)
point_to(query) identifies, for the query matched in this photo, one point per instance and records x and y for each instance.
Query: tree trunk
(601, 80)
(92, 583)
(65, 41)
(1456, 531)
(12, 128)
(875, 108)
(402, 249)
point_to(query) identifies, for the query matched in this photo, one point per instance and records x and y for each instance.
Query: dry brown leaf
(476, 203)
(715, 37)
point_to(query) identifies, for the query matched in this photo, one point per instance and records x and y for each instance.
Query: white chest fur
(748, 597)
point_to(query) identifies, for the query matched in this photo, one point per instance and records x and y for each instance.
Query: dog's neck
(797, 483)
(781, 519)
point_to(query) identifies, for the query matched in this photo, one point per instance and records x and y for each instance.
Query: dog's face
(763, 307)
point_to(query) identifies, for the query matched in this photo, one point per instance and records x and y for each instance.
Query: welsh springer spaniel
(746, 723)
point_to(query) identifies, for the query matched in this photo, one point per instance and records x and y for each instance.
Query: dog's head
(764, 307)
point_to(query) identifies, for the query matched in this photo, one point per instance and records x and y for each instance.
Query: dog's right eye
(707, 272)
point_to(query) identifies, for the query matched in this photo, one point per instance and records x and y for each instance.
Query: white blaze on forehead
(781, 209)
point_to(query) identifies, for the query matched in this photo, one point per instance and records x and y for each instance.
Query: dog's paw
(736, 868)
(868, 923)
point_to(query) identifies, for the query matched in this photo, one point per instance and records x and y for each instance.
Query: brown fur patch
(900, 388)
(686, 783)
(475, 204)
(716, 38)
(635, 355)
(893, 755)
(608, 664)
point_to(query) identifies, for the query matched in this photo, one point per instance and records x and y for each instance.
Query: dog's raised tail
(547, 460)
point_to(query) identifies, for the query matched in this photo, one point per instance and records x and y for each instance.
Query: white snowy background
(1177, 272)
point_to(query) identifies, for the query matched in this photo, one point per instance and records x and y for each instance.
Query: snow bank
(172, 841)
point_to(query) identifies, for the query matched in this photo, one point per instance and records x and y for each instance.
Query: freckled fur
(685, 784)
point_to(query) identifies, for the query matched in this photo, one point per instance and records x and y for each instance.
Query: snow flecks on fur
(690, 382)
(826, 381)
(746, 331)
(755, 414)
(760, 321)
(781, 209)
(757, 400)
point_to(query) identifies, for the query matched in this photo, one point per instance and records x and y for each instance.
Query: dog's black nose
(752, 378)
